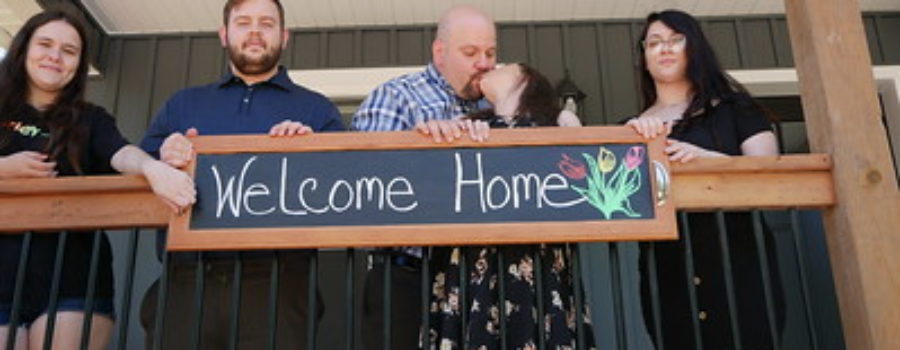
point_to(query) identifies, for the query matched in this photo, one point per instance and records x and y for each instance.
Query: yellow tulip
(606, 160)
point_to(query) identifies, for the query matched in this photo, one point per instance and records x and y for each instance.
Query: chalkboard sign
(388, 189)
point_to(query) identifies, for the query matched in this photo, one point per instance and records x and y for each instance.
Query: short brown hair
(231, 4)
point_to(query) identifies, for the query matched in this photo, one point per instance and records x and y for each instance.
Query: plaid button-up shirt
(406, 100)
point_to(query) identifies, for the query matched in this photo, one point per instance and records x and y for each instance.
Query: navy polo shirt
(230, 106)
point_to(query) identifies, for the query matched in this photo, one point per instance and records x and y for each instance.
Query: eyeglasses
(655, 45)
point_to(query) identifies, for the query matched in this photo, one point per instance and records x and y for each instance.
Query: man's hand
(453, 129)
(290, 128)
(177, 150)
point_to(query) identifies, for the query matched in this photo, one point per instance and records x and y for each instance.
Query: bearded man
(256, 96)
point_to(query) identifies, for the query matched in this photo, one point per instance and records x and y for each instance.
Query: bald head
(462, 15)
(464, 48)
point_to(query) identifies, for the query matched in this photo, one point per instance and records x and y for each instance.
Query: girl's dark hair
(67, 135)
(709, 83)
(538, 102)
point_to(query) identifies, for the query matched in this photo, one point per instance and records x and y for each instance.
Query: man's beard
(472, 89)
(252, 66)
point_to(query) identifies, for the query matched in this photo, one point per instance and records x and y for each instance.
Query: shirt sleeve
(749, 118)
(385, 109)
(106, 139)
(160, 128)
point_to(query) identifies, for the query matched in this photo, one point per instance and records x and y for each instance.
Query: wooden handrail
(790, 181)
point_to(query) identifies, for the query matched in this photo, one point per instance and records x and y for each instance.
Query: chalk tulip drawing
(609, 188)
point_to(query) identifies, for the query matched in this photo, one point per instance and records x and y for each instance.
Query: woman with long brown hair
(47, 129)
(705, 113)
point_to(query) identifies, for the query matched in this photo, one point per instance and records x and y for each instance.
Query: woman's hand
(450, 130)
(684, 152)
(173, 186)
(650, 127)
(26, 164)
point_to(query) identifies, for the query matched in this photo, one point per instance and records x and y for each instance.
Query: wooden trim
(843, 118)
(181, 237)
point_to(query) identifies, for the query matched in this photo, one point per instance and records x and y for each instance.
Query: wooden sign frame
(182, 237)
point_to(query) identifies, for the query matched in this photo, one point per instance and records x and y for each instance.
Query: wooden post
(843, 118)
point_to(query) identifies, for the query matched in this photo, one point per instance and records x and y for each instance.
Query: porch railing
(740, 183)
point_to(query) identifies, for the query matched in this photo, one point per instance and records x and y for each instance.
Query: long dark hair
(538, 102)
(709, 83)
(67, 136)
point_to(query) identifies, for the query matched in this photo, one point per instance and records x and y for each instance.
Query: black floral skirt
(518, 267)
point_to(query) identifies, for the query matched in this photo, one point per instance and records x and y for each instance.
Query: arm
(174, 187)
(763, 143)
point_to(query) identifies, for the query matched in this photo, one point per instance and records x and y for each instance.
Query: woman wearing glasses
(705, 113)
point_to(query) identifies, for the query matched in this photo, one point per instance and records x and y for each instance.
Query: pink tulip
(634, 157)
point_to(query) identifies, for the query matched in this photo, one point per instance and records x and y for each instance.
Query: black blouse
(724, 127)
(28, 131)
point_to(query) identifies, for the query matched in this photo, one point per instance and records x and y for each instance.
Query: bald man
(464, 48)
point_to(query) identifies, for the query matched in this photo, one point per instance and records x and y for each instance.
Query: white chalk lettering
(498, 193)
(256, 189)
(490, 193)
(561, 185)
(460, 182)
(407, 190)
(230, 196)
(332, 196)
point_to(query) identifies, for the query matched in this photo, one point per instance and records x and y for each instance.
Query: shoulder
(311, 98)
(567, 118)
(192, 94)
(93, 112)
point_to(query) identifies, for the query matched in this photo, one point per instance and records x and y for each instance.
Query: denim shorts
(26, 317)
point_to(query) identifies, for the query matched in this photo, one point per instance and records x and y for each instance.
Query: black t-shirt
(29, 132)
(723, 128)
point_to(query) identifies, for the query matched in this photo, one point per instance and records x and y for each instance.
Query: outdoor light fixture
(570, 96)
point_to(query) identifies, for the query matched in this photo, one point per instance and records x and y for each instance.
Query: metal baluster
(689, 272)
(311, 306)
(386, 298)
(804, 281)
(199, 290)
(729, 280)
(501, 271)
(91, 290)
(54, 290)
(579, 297)
(766, 277)
(234, 321)
(654, 294)
(618, 307)
(273, 300)
(350, 299)
(463, 293)
(17, 293)
(161, 303)
(539, 294)
(425, 330)
(127, 289)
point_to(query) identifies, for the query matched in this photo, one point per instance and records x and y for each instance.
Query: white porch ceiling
(159, 16)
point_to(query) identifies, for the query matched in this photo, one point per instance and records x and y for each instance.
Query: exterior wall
(140, 72)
